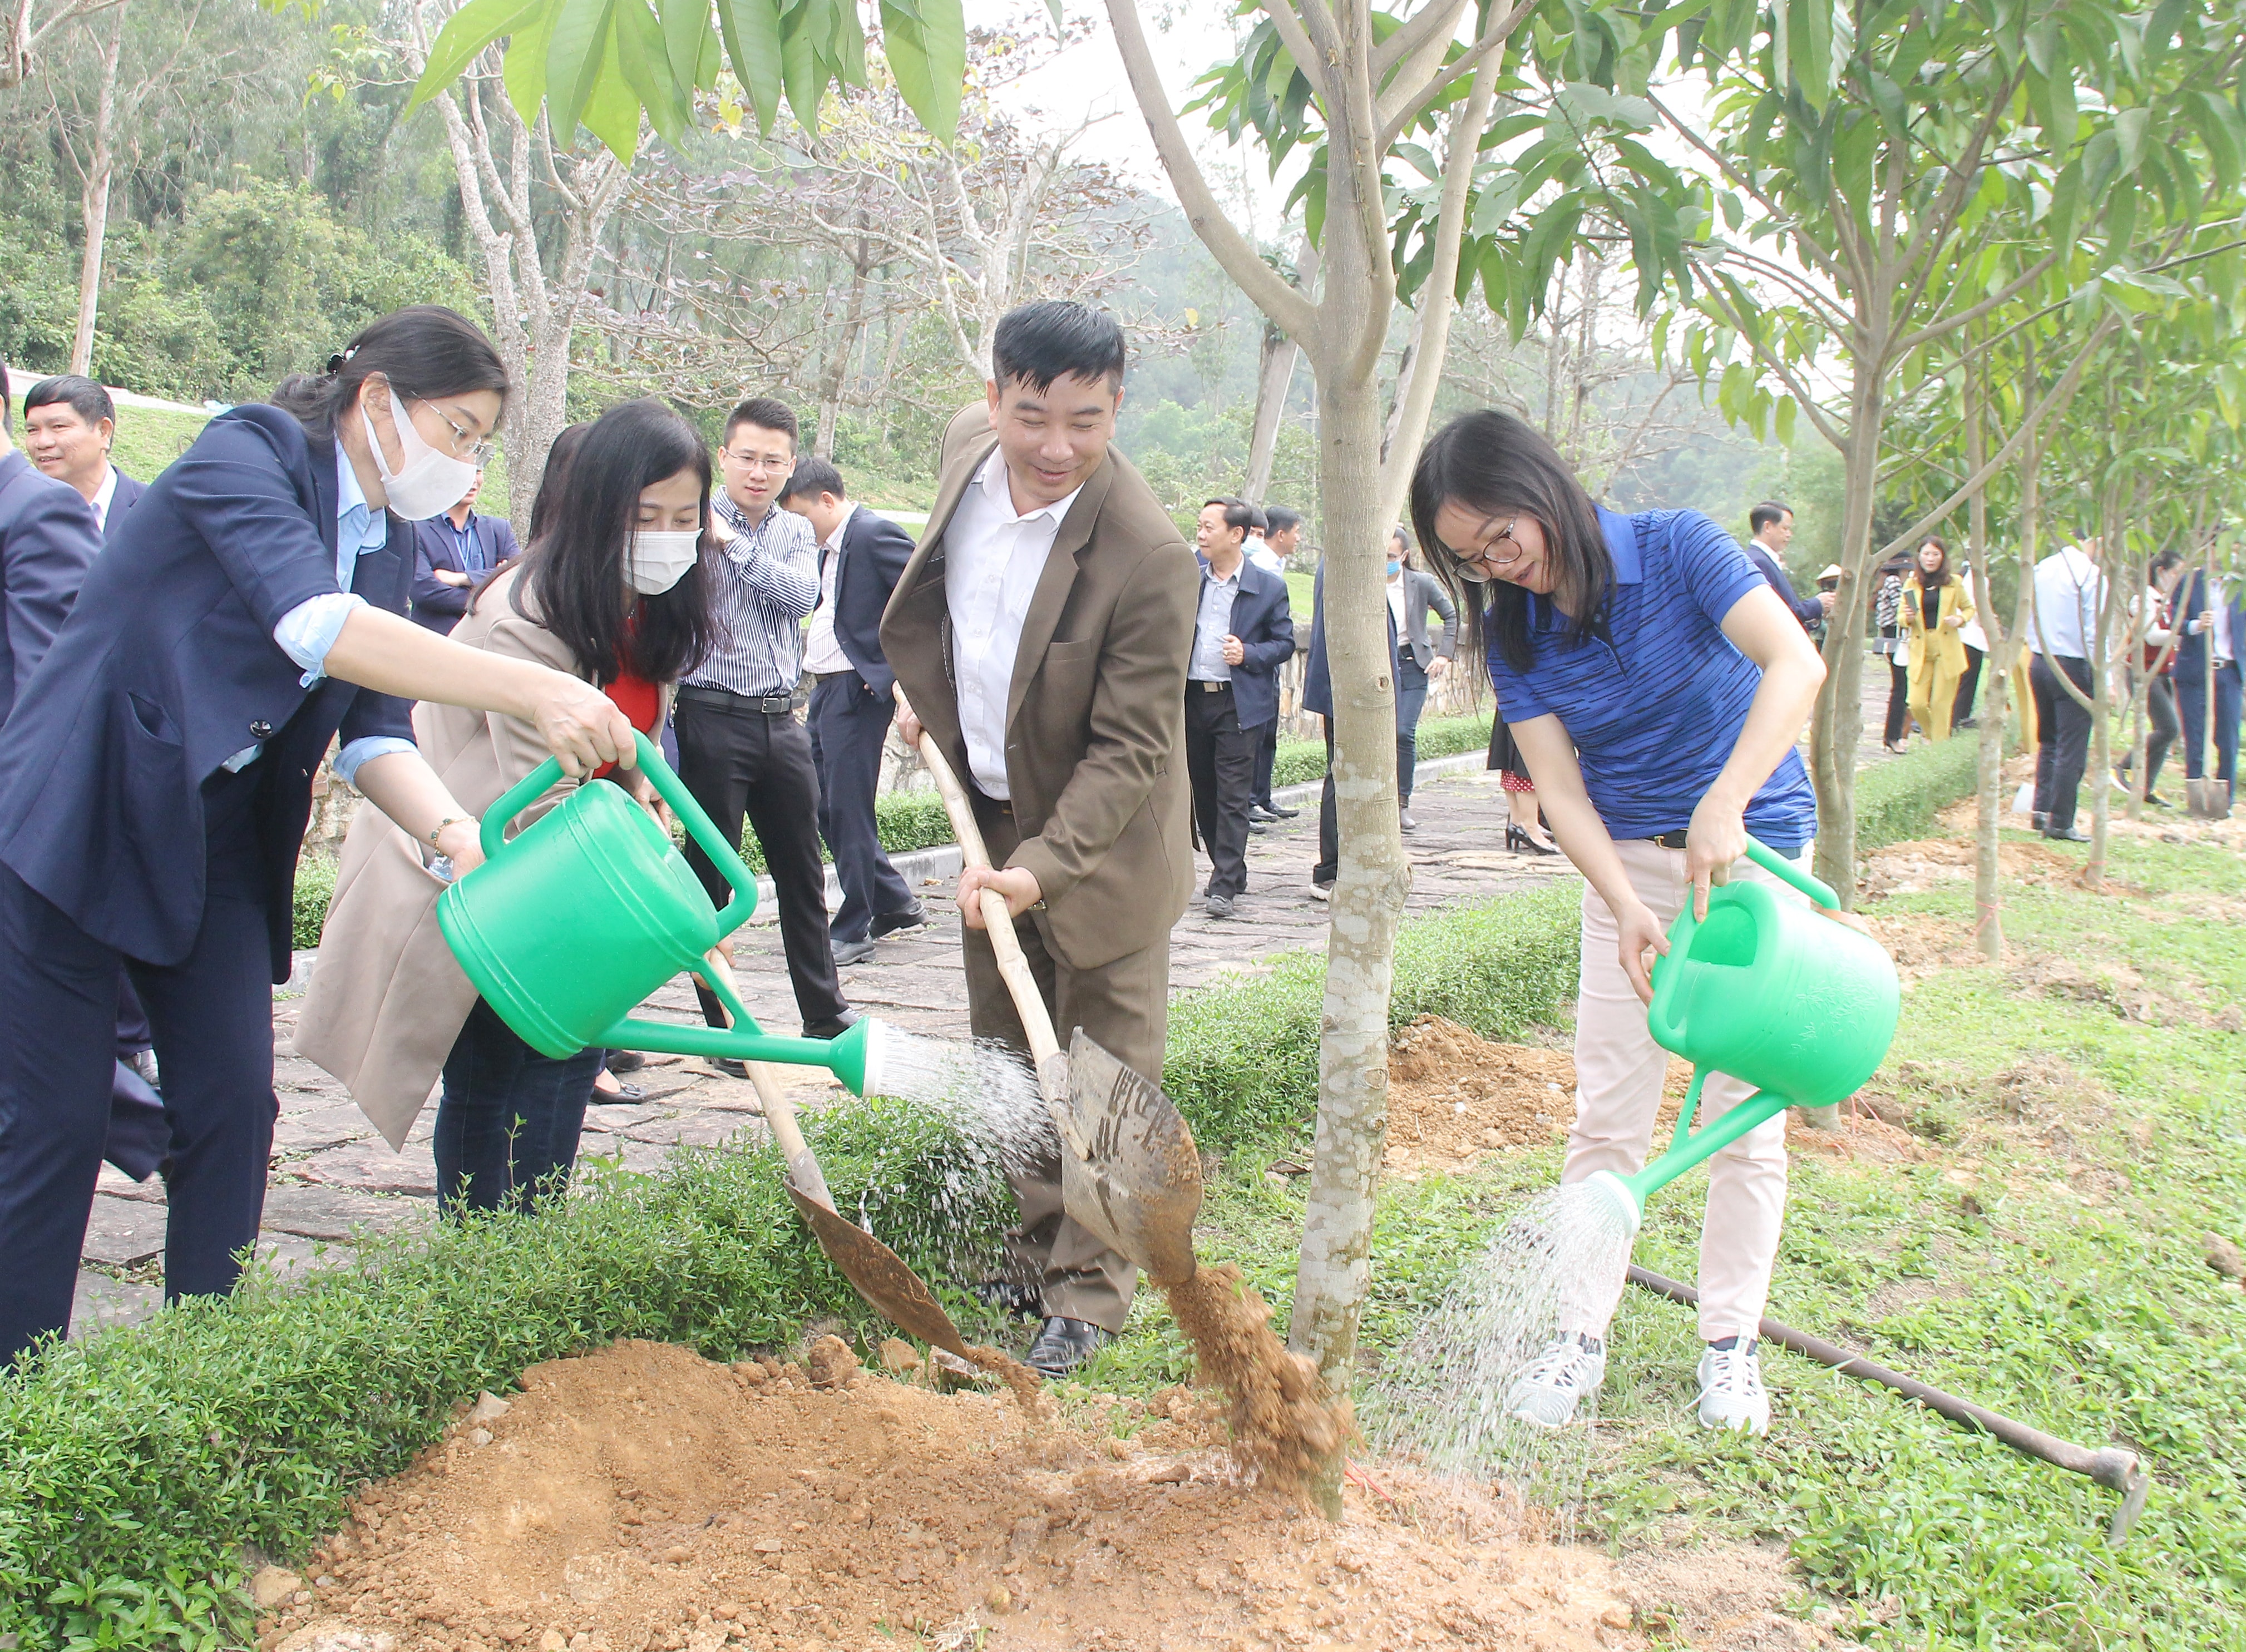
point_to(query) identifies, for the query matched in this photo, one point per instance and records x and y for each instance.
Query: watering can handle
(1784, 870)
(672, 790)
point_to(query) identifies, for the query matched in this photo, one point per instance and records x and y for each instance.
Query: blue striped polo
(1655, 697)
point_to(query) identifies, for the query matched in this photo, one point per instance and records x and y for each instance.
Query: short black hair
(1033, 344)
(812, 477)
(1257, 520)
(1280, 517)
(1767, 512)
(81, 395)
(766, 412)
(1238, 513)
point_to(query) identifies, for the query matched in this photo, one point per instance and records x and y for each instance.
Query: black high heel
(1517, 838)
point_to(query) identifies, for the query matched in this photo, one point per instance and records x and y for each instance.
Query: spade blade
(880, 1274)
(1129, 1169)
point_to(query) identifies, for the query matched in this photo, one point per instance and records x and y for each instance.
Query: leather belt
(1212, 688)
(829, 677)
(1669, 840)
(726, 700)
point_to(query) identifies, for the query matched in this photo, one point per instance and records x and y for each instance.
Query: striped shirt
(767, 581)
(1656, 697)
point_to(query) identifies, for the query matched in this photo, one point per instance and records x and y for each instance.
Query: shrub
(315, 886)
(1897, 801)
(1299, 761)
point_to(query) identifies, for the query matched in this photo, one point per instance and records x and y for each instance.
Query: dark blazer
(1422, 592)
(873, 553)
(2192, 651)
(1266, 631)
(127, 494)
(139, 702)
(47, 542)
(436, 605)
(1318, 681)
(1808, 609)
(1096, 712)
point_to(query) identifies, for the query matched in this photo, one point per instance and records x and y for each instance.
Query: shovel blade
(2207, 799)
(880, 1274)
(1129, 1170)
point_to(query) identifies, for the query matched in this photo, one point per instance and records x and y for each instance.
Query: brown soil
(1719, 1594)
(1282, 1427)
(643, 1498)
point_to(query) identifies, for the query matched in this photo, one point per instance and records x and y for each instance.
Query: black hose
(2110, 1465)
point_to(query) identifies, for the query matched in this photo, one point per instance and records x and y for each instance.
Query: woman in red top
(612, 592)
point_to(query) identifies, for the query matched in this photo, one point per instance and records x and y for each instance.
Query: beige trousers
(1618, 1076)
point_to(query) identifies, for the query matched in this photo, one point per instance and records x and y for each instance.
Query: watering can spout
(1619, 1195)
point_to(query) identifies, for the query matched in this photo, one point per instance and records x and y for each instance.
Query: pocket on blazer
(1072, 653)
(154, 722)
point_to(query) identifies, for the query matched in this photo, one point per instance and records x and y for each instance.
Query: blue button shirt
(1655, 697)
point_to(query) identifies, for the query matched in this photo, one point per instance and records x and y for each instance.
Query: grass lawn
(2077, 1124)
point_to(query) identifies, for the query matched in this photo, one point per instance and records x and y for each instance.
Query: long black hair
(425, 350)
(1491, 461)
(574, 572)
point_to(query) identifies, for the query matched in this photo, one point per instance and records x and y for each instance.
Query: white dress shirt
(2068, 589)
(102, 495)
(993, 558)
(821, 653)
(1262, 555)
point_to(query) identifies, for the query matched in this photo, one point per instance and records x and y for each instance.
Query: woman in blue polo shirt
(1655, 686)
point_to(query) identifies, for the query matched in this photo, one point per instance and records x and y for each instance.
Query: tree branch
(1398, 113)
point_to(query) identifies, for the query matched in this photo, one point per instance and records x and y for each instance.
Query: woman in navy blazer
(156, 773)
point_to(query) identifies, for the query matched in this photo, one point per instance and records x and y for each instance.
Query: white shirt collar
(842, 526)
(995, 488)
(102, 495)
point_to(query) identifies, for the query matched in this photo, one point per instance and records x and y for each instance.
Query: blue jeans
(1411, 698)
(508, 1122)
(2191, 700)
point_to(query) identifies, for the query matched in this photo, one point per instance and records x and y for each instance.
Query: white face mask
(657, 559)
(430, 483)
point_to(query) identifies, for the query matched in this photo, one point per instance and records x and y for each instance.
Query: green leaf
(927, 45)
(466, 33)
(686, 37)
(1783, 420)
(2129, 132)
(752, 32)
(612, 108)
(575, 55)
(523, 74)
(643, 65)
(1809, 48)
(800, 71)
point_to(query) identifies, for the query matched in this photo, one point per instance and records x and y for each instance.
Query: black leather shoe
(2038, 820)
(887, 923)
(1262, 812)
(728, 1066)
(833, 1027)
(2071, 834)
(850, 952)
(1023, 1302)
(1280, 811)
(1219, 906)
(1256, 826)
(1063, 1344)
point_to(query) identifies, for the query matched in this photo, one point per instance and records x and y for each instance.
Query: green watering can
(1799, 1007)
(566, 928)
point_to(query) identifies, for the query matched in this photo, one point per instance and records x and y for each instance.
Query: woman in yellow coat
(1935, 604)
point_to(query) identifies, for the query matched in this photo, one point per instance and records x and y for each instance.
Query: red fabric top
(639, 700)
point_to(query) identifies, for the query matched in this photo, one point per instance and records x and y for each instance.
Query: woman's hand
(1951, 622)
(1637, 932)
(462, 844)
(908, 725)
(1717, 837)
(580, 725)
(1438, 669)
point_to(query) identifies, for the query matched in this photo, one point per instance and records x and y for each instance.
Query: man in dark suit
(1243, 635)
(1041, 632)
(70, 423)
(853, 701)
(2210, 623)
(1770, 525)
(451, 553)
(1283, 536)
(1317, 696)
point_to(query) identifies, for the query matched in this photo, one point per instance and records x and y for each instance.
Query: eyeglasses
(1471, 565)
(765, 463)
(465, 443)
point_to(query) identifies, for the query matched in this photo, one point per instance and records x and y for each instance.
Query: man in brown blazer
(1040, 633)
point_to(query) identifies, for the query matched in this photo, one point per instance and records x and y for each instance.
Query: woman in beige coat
(613, 593)
(1936, 607)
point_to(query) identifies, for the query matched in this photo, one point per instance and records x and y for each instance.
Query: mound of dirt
(1930, 863)
(644, 1498)
(1922, 946)
(1719, 1594)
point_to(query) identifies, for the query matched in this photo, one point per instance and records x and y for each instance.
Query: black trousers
(509, 1119)
(739, 762)
(212, 1014)
(2161, 729)
(1329, 866)
(1221, 761)
(1267, 754)
(2062, 737)
(1898, 699)
(1968, 685)
(849, 725)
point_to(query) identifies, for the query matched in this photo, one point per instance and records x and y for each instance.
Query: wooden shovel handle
(1029, 1002)
(780, 1115)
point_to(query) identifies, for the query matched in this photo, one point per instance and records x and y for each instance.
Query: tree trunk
(94, 197)
(1996, 689)
(1837, 723)
(838, 362)
(1273, 378)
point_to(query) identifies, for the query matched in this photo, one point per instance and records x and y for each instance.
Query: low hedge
(1897, 800)
(1299, 761)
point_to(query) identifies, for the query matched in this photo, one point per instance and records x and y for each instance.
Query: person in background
(1318, 697)
(1258, 547)
(1770, 527)
(615, 595)
(1283, 536)
(1936, 606)
(1828, 591)
(2211, 623)
(1889, 643)
(2069, 589)
(2155, 665)
(1655, 684)
(1420, 660)
(1524, 823)
(1975, 641)
(156, 775)
(853, 702)
(452, 553)
(1243, 635)
(741, 750)
(70, 423)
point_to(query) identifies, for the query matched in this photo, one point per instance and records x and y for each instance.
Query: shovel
(895, 1292)
(1129, 1170)
(2208, 797)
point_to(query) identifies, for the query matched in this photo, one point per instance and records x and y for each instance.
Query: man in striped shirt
(741, 750)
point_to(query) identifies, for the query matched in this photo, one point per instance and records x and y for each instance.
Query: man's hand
(1018, 884)
(462, 844)
(1717, 837)
(1438, 669)
(453, 576)
(1639, 932)
(1234, 649)
(1826, 599)
(909, 727)
(580, 725)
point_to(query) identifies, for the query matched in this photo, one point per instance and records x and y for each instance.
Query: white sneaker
(1731, 1394)
(1546, 1393)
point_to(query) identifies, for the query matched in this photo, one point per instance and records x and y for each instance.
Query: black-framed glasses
(465, 443)
(1472, 567)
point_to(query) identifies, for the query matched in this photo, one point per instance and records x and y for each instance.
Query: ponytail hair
(425, 350)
